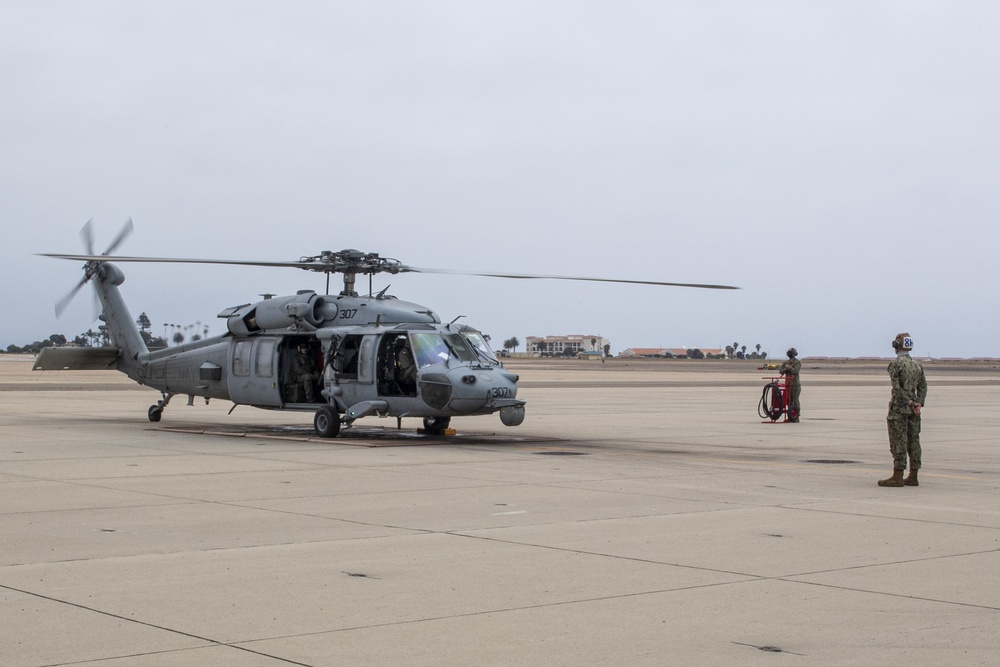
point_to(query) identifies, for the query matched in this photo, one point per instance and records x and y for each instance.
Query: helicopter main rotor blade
(316, 265)
(307, 264)
(529, 276)
(180, 260)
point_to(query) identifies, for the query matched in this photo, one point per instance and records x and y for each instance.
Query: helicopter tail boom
(123, 330)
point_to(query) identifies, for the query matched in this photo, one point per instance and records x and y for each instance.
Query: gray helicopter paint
(254, 371)
(249, 364)
(356, 335)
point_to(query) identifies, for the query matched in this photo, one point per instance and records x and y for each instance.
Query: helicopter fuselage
(344, 356)
(354, 346)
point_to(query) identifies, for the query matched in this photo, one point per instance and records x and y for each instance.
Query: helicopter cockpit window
(482, 348)
(460, 347)
(348, 361)
(435, 348)
(429, 348)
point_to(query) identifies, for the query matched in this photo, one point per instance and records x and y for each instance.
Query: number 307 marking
(500, 392)
(348, 313)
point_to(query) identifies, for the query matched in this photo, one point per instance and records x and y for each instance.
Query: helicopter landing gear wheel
(436, 425)
(326, 422)
(156, 410)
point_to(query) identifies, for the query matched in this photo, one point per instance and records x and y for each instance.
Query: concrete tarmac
(642, 515)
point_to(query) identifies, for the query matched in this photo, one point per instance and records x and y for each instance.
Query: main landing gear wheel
(155, 412)
(436, 425)
(326, 422)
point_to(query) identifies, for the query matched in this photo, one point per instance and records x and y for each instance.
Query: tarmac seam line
(487, 612)
(895, 595)
(210, 641)
(895, 562)
(811, 508)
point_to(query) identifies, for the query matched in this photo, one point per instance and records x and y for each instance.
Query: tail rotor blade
(87, 234)
(122, 235)
(65, 301)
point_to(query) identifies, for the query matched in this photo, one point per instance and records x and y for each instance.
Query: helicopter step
(363, 409)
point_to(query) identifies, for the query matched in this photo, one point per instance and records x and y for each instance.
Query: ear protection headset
(902, 342)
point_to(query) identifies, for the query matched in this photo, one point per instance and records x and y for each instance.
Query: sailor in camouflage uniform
(791, 368)
(909, 390)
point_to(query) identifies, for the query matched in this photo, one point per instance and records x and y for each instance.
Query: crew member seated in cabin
(303, 372)
(406, 369)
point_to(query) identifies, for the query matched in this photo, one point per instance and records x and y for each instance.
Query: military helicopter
(372, 354)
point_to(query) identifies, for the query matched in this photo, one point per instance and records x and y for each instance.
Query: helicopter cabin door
(354, 367)
(253, 377)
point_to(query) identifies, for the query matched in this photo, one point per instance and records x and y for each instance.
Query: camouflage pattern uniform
(791, 368)
(908, 387)
(303, 373)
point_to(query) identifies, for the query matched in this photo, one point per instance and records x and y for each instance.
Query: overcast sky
(839, 161)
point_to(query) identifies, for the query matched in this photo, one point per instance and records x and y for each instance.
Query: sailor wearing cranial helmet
(909, 391)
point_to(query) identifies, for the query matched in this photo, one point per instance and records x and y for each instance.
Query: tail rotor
(91, 267)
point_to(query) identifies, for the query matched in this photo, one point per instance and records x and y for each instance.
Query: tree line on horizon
(734, 351)
(177, 335)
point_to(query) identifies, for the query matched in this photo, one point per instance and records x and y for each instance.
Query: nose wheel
(436, 425)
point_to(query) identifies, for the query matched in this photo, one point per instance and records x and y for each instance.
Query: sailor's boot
(895, 480)
(911, 479)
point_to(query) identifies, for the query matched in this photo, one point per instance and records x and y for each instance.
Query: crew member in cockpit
(406, 369)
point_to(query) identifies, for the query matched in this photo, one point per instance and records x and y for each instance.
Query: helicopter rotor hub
(351, 262)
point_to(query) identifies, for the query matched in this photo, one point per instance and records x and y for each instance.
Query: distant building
(648, 352)
(651, 352)
(557, 346)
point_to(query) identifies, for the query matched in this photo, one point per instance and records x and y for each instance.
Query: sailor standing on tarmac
(791, 368)
(909, 390)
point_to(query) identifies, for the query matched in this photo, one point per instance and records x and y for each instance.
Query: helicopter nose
(436, 390)
(467, 390)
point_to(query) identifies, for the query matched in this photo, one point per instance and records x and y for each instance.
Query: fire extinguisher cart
(776, 399)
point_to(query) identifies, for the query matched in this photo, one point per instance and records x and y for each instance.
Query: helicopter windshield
(482, 348)
(436, 348)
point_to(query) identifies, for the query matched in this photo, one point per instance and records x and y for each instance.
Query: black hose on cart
(772, 402)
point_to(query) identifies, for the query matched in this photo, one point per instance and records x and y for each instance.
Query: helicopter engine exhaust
(278, 313)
